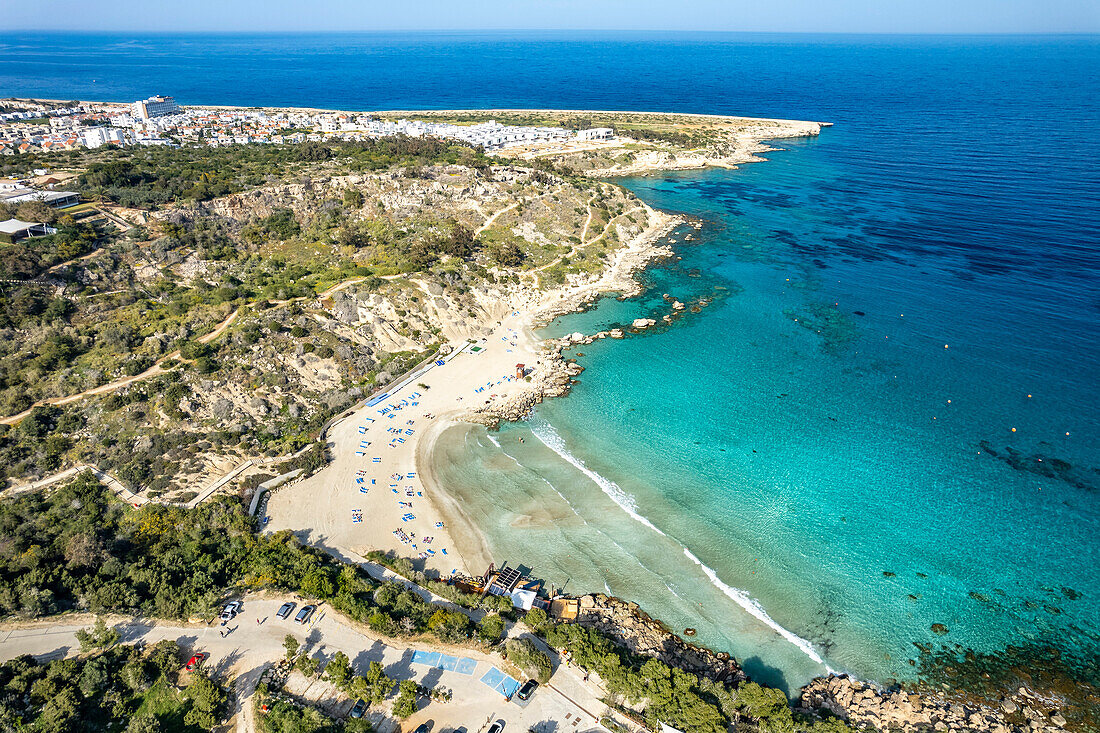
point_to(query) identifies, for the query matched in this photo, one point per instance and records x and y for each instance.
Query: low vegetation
(649, 688)
(114, 688)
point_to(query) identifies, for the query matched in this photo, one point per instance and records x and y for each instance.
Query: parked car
(231, 609)
(304, 614)
(496, 727)
(196, 660)
(424, 727)
(527, 690)
(285, 609)
(359, 708)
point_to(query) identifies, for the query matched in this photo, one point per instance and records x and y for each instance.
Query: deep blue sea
(886, 416)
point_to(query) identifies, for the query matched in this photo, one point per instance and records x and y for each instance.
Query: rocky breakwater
(552, 376)
(634, 629)
(864, 705)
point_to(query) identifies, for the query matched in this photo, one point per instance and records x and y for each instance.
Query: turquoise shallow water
(841, 480)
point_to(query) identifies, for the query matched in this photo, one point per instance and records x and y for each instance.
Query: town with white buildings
(159, 120)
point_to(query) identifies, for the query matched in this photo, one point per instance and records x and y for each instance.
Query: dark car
(527, 690)
(424, 727)
(285, 609)
(196, 660)
(359, 708)
(304, 614)
(496, 727)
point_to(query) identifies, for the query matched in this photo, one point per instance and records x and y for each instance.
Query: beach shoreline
(381, 469)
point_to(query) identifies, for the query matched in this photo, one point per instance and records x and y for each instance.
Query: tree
(377, 685)
(291, 645)
(353, 198)
(60, 712)
(767, 705)
(95, 677)
(525, 655)
(405, 704)
(164, 657)
(508, 254)
(100, 636)
(144, 723)
(490, 628)
(206, 701)
(135, 675)
(338, 670)
(537, 619)
(307, 665)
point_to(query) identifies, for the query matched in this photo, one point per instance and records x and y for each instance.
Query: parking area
(252, 639)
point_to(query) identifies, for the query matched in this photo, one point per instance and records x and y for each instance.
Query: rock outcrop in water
(640, 633)
(864, 705)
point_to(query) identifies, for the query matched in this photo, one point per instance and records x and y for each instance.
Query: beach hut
(519, 371)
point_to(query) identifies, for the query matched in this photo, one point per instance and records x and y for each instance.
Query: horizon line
(426, 31)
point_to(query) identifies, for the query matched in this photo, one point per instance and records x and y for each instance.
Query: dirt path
(492, 219)
(152, 371)
(489, 222)
(158, 368)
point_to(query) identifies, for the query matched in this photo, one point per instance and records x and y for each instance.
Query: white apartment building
(95, 137)
(596, 133)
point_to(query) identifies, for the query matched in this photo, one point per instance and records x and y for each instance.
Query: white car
(231, 609)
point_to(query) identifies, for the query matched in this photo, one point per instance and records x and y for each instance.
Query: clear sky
(824, 16)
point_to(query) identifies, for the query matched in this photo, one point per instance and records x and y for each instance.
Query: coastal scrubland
(110, 686)
(242, 296)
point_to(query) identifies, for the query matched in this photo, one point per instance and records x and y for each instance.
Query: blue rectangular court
(500, 682)
(462, 665)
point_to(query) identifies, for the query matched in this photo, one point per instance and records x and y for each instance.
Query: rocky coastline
(553, 376)
(865, 705)
(642, 634)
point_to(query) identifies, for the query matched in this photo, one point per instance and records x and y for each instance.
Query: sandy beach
(378, 492)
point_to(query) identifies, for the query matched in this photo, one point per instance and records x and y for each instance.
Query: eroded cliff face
(865, 705)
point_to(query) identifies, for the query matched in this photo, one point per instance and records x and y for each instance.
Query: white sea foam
(546, 433)
(750, 604)
(549, 437)
(495, 441)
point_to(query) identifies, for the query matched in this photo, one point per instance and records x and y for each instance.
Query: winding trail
(155, 370)
(489, 222)
(158, 367)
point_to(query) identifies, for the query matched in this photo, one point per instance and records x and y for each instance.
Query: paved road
(251, 646)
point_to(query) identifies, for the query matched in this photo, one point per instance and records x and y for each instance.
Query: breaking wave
(750, 604)
(549, 437)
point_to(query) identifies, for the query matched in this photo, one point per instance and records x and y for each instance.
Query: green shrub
(524, 654)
